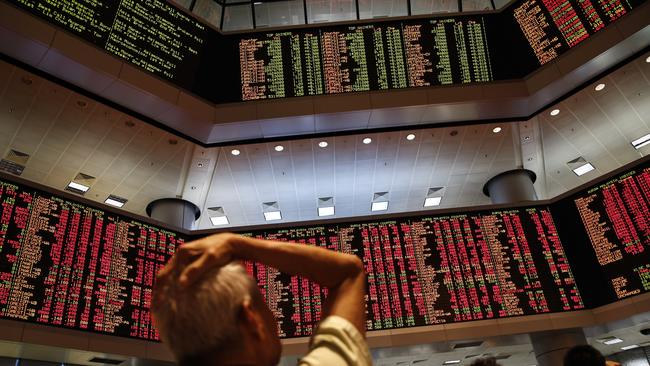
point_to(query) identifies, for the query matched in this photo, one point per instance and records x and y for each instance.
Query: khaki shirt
(337, 343)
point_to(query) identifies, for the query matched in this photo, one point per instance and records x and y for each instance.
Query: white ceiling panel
(66, 134)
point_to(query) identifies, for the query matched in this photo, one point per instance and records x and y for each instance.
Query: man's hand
(193, 259)
(201, 255)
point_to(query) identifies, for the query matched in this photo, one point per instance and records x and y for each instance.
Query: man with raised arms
(210, 312)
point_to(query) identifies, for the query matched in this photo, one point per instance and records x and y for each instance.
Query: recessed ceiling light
(235, 152)
(451, 362)
(279, 148)
(583, 169)
(641, 141)
(599, 87)
(647, 59)
(613, 340)
(379, 206)
(410, 136)
(74, 186)
(555, 112)
(496, 129)
(432, 201)
(219, 220)
(115, 201)
(367, 140)
(322, 144)
(272, 215)
(326, 211)
(631, 346)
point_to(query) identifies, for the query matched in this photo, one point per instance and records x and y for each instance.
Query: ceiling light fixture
(379, 206)
(367, 140)
(641, 141)
(555, 112)
(410, 136)
(218, 216)
(451, 362)
(272, 215)
(115, 201)
(219, 220)
(631, 346)
(235, 152)
(583, 169)
(325, 206)
(432, 201)
(580, 166)
(379, 201)
(647, 59)
(326, 211)
(271, 211)
(279, 148)
(609, 340)
(434, 196)
(77, 188)
(599, 87)
(323, 144)
(496, 129)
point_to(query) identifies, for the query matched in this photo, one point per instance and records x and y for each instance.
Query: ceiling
(66, 133)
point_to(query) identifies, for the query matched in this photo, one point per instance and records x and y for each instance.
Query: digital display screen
(616, 218)
(70, 265)
(151, 34)
(553, 26)
(364, 58)
(433, 270)
(442, 50)
(419, 52)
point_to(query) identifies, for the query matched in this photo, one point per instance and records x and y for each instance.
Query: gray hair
(203, 317)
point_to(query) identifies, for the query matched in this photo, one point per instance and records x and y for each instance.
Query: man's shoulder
(337, 342)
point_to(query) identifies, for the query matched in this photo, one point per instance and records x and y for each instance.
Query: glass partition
(234, 15)
(279, 13)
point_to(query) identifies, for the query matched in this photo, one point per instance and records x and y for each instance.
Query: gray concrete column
(511, 186)
(174, 211)
(550, 347)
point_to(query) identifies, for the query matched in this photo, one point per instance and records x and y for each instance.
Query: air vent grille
(14, 162)
(467, 344)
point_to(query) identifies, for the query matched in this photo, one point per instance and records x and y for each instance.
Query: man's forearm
(323, 266)
(343, 274)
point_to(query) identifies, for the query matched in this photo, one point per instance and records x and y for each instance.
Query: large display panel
(441, 50)
(67, 264)
(70, 265)
(151, 34)
(433, 269)
(616, 222)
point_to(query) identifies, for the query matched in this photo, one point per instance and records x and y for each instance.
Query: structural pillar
(516, 186)
(174, 211)
(551, 346)
(511, 186)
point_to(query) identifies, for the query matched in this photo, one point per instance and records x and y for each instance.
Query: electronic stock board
(331, 59)
(68, 264)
